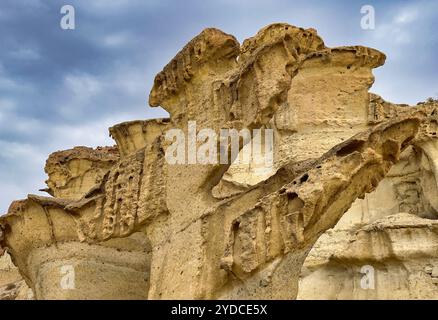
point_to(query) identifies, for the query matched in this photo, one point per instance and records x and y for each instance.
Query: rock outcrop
(12, 285)
(126, 223)
(391, 231)
(73, 172)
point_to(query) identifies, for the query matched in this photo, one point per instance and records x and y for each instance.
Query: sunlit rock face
(43, 238)
(74, 172)
(12, 285)
(392, 231)
(125, 223)
(400, 250)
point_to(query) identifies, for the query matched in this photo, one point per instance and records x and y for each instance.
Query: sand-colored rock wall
(128, 222)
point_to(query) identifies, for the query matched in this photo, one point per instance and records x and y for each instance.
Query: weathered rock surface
(12, 285)
(392, 230)
(125, 223)
(400, 249)
(74, 172)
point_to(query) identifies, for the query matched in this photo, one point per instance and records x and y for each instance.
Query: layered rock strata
(126, 223)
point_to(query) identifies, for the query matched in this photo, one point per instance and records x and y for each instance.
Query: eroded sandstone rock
(74, 172)
(45, 246)
(12, 286)
(400, 249)
(401, 265)
(136, 226)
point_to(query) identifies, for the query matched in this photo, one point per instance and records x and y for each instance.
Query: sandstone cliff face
(400, 249)
(125, 223)
(12, 285)
(381, 232)
(74, 172)
(45, 244)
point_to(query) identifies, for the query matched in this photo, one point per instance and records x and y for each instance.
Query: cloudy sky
(63, 88)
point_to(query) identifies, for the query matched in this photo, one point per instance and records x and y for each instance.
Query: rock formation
(392, 230)
(125, 223)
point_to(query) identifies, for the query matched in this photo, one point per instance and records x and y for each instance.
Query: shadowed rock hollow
(130, 225)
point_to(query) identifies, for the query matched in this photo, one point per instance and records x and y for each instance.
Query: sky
(64, 88)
